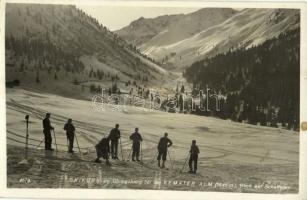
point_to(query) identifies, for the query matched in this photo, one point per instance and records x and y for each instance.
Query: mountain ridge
(247, 27)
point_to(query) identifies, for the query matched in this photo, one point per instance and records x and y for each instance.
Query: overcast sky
(116, 17)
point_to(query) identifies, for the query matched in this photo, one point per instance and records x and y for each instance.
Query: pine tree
(182, 89)
(37, 79)
(114, 88)
(76, 82)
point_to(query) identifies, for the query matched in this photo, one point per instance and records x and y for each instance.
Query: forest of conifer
(260, 84)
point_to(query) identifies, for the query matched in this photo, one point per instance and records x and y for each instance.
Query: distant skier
(114, 137)
(164, 143)
(194, 151)
(137, 139)
(47, 132)
(70, 133)
(103, 150)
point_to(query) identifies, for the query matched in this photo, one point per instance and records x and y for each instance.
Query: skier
(114, 137)
(164, 143)
(194, 151)
(103, 150)
(70, 133)
(136, 138)
(47, 132)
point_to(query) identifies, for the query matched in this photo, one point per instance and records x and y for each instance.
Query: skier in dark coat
(70, 133)
(47, 132)
(164, 143)
(103, 150)
(137, 139)
(194, 151)
(114, 137)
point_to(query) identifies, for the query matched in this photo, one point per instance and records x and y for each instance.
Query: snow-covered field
(233, 157)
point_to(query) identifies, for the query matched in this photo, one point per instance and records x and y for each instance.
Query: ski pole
(56, 146)
(67, 142)
(185, 162)
(121, 149)
(155, 156)
(27, 130)
(169, 155)
(141, 152)
(128, 158)
(40, 143)
(27, 135)
(78, 144)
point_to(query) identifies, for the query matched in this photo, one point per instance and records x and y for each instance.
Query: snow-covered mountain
(169, 29)
(64, 42)
(179, 40)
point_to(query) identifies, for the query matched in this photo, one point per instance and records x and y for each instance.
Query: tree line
(43, 53)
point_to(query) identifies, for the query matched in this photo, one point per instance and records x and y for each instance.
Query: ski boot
(163, 164)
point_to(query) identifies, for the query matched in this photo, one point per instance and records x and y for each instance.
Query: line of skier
(104, 150)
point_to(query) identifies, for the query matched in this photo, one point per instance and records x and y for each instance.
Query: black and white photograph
(176, 98)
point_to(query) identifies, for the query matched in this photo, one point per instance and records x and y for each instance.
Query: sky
(117, 17)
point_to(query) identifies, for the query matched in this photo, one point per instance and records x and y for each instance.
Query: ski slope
(230, 153)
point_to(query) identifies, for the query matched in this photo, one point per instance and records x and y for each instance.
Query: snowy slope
(235, 29)
(229, 152)
(169, 29)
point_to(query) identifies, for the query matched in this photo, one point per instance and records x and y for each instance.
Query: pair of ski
(135, 161)
(163, 168)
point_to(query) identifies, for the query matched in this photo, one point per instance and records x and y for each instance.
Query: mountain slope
(233, 29)
(169, 29)
(61, 41)
(261, 84)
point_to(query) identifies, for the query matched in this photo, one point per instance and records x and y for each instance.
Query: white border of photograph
(157, 194)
